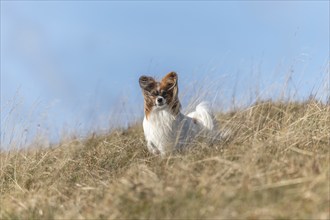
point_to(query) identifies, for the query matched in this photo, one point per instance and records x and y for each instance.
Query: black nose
(160, 100)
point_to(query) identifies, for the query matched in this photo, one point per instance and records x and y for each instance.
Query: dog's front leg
(152, 148)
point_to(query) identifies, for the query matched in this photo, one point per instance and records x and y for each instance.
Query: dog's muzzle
(160, 101)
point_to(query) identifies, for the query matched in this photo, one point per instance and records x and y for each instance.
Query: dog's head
(160, 95)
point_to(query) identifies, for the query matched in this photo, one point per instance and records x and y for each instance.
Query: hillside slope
(274, 165)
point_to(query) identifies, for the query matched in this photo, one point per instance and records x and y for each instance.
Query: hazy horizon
(74, 66)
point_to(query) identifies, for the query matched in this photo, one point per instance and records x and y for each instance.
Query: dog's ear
(170, 84)
(147, 83)
(170, 81)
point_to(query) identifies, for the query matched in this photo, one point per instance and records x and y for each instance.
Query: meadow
(273, 165)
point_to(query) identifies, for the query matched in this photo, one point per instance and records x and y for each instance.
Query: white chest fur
(165, 132)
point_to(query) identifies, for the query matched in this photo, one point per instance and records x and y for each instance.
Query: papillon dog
(166, 129)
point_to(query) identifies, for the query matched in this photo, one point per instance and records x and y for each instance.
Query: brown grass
(275, 165)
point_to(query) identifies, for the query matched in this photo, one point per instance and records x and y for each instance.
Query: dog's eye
(155, 93)
(163, 93)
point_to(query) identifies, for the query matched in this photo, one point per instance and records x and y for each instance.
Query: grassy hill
(274, 165)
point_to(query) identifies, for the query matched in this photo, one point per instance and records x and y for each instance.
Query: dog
(166, 129)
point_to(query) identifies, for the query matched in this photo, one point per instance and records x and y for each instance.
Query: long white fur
(166, 132)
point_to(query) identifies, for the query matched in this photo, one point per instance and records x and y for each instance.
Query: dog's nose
(160, 100)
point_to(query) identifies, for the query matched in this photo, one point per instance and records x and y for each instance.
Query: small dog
(165, 128)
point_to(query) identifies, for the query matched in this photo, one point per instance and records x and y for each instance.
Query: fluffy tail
(203, 115)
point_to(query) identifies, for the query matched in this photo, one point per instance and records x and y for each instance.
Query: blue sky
(74, 66)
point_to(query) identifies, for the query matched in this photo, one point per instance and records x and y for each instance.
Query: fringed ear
(170, 84)
(147, 83)
(170, 81)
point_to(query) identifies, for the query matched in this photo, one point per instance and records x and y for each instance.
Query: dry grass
(275, 165)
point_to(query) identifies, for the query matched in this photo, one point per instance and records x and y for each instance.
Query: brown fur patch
(170, 84)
